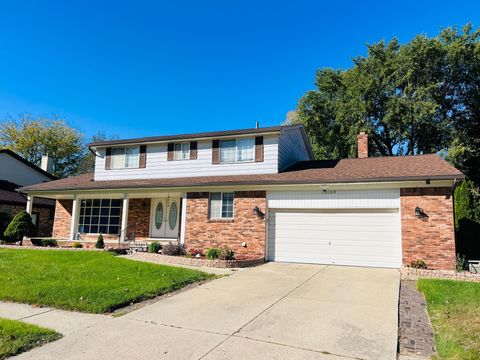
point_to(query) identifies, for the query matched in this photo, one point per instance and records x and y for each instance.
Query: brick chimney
(362, 144)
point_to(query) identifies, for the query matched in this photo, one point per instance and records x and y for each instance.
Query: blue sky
(151, 68)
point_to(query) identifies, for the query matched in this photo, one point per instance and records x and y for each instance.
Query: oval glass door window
(159, 215)
(172, 216)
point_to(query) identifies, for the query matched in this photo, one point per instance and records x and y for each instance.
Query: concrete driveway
(274, 311)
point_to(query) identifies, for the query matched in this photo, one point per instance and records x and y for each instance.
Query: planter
(181, 260)
(409, 273)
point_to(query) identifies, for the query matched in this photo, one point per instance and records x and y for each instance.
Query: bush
(418, 264)
(77, 245)
(100, 244)
(154, 247)
(460, 263)
(118, 251)
(20, 226)
(194, 252)
(172, 249)
(213, 253)
(44, 242)
(49, 242)
(226, 254)
(5, 219)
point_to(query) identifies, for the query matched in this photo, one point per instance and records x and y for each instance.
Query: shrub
(5, 219)
(118, 251)
(194, 252)
(172, 249)
(77, 245)
(154, 247)
(226, 254)
(213, 253)
(418, 264)
(20, 226)
(100, 244)
(49, 242)
(460, 263)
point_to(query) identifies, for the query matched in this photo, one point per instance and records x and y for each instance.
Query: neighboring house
(15, 172)
(259, 192)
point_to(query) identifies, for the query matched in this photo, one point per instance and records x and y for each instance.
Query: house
(259, 192)
(15, 172)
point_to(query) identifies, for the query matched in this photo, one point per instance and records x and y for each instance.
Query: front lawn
(17, 337)
(87, 281)
(454, 309)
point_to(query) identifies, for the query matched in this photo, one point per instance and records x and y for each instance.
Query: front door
(164, 218)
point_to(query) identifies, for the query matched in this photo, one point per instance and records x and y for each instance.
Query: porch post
(29, 204)
(123, 232)
(183, 218)
(73, 222)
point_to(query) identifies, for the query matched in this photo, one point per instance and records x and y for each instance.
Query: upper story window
(125, 157)
(237, 150)
(221, 205)
(181, 151)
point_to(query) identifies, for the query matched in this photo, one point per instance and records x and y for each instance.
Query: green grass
(17, 337)
(88, 281)
(454, 309)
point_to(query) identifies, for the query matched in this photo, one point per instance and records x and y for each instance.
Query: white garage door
(356, 237)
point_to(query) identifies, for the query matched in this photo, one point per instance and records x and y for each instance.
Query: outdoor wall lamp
(256, 211)
(418, 212)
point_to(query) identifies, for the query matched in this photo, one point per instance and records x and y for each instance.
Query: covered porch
(121, 217)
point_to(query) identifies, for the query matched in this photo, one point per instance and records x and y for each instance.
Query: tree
(100, 244)
(20, 226)
(87, 163)
(413, 98)
(33, 137)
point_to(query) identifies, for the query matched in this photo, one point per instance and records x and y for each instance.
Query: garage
(358, 228)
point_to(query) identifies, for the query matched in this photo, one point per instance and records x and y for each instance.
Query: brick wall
(139, 217)
(44, 221)
(63, 218)
(430, 238)
(202, 233)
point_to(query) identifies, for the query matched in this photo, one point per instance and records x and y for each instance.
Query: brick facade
(202, 233)
(430, 238)
(63, 219)
(139, 217)
(44, 220)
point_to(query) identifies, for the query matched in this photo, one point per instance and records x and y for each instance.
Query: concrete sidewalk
(274, 311)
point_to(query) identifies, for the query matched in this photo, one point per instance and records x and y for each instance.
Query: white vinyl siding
(158, 167)
(291, 148)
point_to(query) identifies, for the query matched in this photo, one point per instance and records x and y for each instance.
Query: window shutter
(193, 150)
(170, 151)
(216, 152)
(143, 156)
(259, 148)
(108, 158)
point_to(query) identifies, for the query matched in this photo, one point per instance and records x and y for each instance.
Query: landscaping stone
(409, 273)
(415, 334)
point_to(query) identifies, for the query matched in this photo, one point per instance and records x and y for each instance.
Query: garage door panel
(369, 238)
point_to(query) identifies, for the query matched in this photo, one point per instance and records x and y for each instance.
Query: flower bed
(409, 273)
(181, 260)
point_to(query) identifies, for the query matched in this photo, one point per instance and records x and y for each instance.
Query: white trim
(29, 207)
(67, 194)
(183, 218)
(123, 228)
(74, 219)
